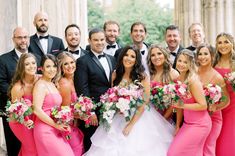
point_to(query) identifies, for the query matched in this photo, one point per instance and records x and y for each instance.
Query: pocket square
(55, 50)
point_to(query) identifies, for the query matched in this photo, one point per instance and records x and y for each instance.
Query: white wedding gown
(150, 136)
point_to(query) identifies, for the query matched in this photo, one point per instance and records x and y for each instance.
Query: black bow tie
(74, 52)
(142, 52)
(100, 56)
(111, 46)
(173, 53)
(43, 37)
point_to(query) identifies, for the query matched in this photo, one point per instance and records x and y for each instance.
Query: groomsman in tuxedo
(73, 37)
(138, 35)
(41, 42)
(197, 35)
(111, 31)
(172, 38)
(93, 77)
(8, 62)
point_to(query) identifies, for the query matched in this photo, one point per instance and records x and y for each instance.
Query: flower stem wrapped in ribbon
(63, 115)
(120, 99)
(83, 107)
(230, 77)
(19, 111)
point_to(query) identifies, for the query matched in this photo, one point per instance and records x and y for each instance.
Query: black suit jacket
(90, 78)
(55, 45)
(178, 52)
(8, 62)
(83, 52)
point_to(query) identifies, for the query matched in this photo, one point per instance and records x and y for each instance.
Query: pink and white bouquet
(62, 115)
(213, 94)
(157, 97)
(120, 99)
(176, 91)
(231, 78)
(83, 107)
(19, 110)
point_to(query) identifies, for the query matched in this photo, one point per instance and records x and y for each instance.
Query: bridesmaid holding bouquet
(225, 64)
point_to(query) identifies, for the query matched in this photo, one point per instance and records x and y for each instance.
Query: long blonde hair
(232, 54)
(192, 66)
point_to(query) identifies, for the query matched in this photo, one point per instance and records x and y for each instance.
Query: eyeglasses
(21, 37)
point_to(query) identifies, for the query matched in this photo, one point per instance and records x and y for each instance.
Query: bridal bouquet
(83, 107)
(19, 110)
(158, 98)
(62, 115)
(120, 99)
(213, 94)
(231, 78)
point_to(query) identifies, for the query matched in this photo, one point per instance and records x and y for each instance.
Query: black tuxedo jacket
(55, 45)
(83, 52)
(178, 52)
(8, 62)
(90, 78)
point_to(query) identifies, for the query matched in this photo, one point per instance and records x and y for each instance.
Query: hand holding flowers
(120, 99)
(20, 111)
(63, 116)
(213, 94)
(83, 107)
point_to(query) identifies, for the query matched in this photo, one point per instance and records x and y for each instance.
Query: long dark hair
(137, 72)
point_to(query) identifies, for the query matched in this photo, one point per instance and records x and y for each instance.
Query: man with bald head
(42, 43)
(8, 63)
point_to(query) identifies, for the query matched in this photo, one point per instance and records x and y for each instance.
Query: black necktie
(173, 53)
(100, 56)
(111, 46)
(74, 52)
(43, 37)
(142, 52)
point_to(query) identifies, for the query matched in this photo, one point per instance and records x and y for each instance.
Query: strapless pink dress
(191, 137)
(49, 141)
(25, 135)
(225, 145)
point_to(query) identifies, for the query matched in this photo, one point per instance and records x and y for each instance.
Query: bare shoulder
(17, 88)
(194, 79)
(218, 79)
(174, 74)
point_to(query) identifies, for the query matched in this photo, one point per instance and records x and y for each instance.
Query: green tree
(95, 15)
(155, 18)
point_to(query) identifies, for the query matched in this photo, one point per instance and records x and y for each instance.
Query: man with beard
(111, 31)
(172, 38)
(73, 37)
(8, 62)
(41, 43)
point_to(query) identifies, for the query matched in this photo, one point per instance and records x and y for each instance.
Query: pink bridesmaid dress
(76, 141)
(225, 145)
(210, 144)
(49, 140)
(25, 135)
(191, 137)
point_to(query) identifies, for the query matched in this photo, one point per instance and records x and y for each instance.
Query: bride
(147, 133)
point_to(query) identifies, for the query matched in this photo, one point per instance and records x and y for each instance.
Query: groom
(93, 77)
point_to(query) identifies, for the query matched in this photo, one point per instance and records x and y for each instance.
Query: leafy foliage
(155, 17)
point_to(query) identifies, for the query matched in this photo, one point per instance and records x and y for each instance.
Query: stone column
(61, 13)
(228, 16)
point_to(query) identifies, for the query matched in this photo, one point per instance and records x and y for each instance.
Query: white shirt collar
(18, 53)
